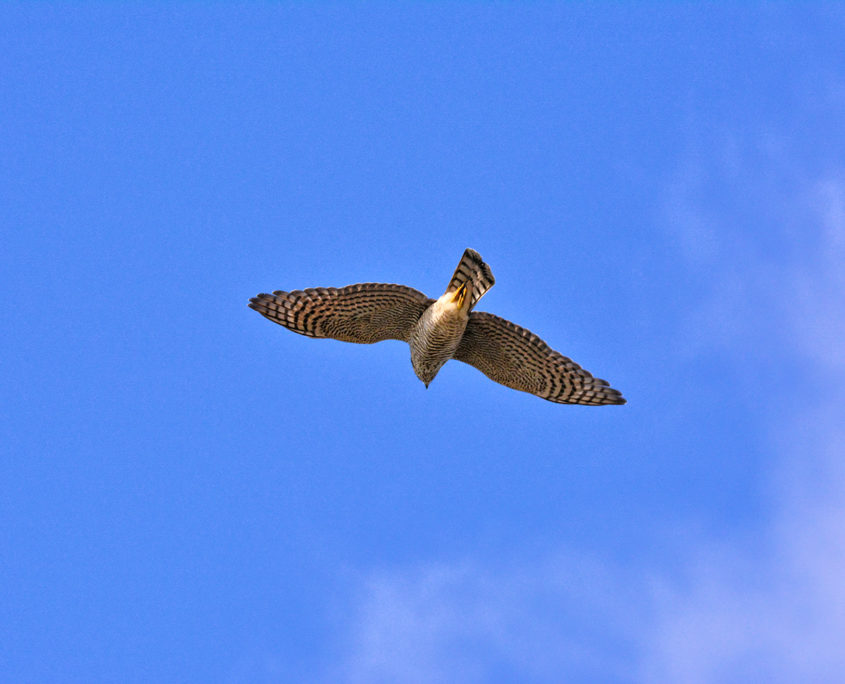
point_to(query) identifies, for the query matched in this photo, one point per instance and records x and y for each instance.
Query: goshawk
(438, 330)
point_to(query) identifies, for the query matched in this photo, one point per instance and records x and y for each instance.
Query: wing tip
(263, 304)
(608, 396)
(258, 300)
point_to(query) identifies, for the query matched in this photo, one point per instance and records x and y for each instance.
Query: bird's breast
(435, 339)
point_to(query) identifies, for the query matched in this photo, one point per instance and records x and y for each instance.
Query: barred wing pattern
(363, 313)
(517, 358)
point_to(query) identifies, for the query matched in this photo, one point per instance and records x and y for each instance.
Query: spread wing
(363, 313)
(517, 358)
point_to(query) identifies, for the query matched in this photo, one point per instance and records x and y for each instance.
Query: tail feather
(472, 268)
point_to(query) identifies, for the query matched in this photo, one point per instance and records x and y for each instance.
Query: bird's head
(426, 373)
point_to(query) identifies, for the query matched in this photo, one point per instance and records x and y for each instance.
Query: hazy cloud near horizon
(767, 601)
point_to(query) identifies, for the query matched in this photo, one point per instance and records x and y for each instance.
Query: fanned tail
(472, 268)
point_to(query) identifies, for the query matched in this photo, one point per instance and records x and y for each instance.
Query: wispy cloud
(765, 606)
(475, 621)
(819, 283)
(772, 608)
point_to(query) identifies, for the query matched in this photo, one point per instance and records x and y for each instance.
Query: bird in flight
(438, 330)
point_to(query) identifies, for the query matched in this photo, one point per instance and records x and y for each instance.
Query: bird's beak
(460, 295)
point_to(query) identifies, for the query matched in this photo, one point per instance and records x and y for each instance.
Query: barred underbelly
(434, 341)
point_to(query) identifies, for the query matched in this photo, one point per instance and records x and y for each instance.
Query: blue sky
(189, 493)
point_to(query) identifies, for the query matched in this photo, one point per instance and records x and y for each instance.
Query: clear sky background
(189, 493)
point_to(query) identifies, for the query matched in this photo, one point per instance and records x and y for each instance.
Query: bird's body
(436, 336)
(439, 330)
